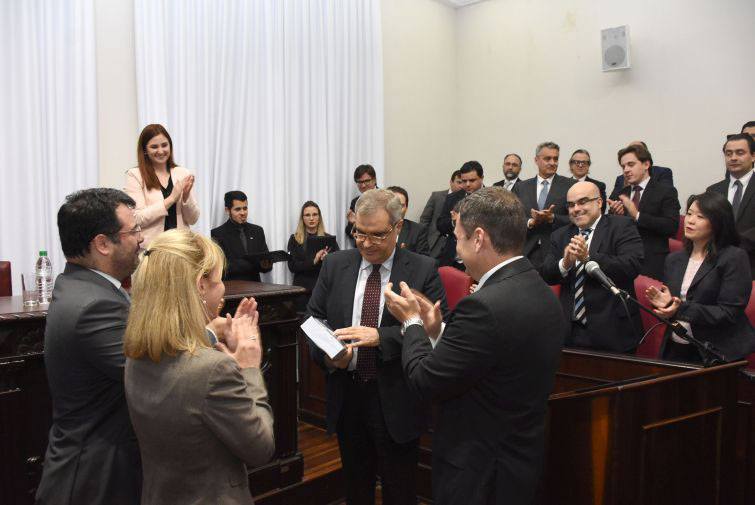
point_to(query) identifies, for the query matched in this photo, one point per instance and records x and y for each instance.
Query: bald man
(598, 319)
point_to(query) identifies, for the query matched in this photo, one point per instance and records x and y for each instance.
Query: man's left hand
(360, 336)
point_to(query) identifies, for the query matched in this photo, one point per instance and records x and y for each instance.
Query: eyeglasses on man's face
(136, 230)
(580, 163)
(375, 238)
(364, 182)
(581, 202)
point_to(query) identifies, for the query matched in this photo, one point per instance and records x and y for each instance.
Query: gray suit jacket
(199, 419)
(435, 239)
(92, 456)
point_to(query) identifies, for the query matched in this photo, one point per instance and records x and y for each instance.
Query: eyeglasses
(580, 163)
(364, 182)
(135, 231)
(581, 202)
(374, 238)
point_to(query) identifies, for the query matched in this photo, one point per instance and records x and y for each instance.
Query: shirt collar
(594, 225)
(112, 279)
(642, 184)
(387, 264)
(493, 270)
(580, 179)
(745, 179)
(549, 179)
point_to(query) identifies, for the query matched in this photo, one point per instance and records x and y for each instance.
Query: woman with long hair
(708, 284)
(162, 190)
(307, 251)
(200, 411)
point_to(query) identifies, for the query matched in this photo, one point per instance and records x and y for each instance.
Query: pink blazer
(150, 204)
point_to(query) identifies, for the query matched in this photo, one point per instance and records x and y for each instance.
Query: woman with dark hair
(708, 284)
(162, 190)
(307, 251)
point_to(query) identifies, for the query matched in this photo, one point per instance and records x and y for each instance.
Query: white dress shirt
(745, 180)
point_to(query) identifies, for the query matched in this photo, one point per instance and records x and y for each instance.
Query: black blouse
(171, 221)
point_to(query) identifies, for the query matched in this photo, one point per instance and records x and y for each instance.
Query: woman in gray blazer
(200, 411)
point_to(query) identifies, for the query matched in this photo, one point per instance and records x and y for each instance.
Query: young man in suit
(239, 238)
(579, 164)
(491, 369)
(544, 200)
(739, 189)
(471, 180)
(512, 167)
(365, 178)
(598, 318)
(369, 405)
(413, 236)
(434, 206)
(92, 454)
(663, 175)
(652, 205)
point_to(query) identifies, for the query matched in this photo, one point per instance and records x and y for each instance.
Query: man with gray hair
(544, 201)
(369, 405)
(491, 369)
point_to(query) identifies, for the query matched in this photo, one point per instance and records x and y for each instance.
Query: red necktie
(367, 356)
(636, 196)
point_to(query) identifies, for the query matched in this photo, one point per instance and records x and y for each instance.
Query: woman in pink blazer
(163, 191)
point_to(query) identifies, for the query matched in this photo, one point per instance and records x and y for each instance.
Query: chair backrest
(675, 245)
(680, 230)
(750, 311)
(456, 283)
(651, 345)
(6, 284)
(556, 288)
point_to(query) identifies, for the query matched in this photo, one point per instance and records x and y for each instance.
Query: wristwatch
(409, 322)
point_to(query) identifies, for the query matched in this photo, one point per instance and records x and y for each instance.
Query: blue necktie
(543, 195)
(580, 311)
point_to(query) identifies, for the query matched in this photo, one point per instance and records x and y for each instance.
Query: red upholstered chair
(675, 245)
(680, 230)
(6, 284)
(750, 311)
(651, 345)
(456, 283)
(556, 289)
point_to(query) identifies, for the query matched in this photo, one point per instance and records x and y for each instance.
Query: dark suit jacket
(228, 237)
(446, 227)
(302, 264)
(661, 174)
(413, 237)
(538, 238)
(491, 374)
(602, 188)
(92, 456)
(745, 218)
(333, 300)
(617, 247)
(434, 206)
(716, 300)
(349, 226)
(502, 183)
(659, 221)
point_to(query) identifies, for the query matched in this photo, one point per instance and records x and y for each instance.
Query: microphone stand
(711, 356)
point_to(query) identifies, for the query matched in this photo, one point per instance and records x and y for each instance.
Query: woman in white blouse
(708, 284)
(163, 191)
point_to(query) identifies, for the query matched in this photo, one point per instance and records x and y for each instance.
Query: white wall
(530, 70)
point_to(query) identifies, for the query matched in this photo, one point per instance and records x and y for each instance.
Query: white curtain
(281, 99)
(48, 132)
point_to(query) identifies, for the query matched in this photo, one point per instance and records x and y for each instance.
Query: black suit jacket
(349, 226)
(239, 267)
(446, 227)
(617, 247)
(660, 174)
(333, 300)
(715, 300)
(491, 373)
(502, 183)
(745, 218)
(538, 238)
(659, 221)
(413, 237)
(92, 454)
(602, 188)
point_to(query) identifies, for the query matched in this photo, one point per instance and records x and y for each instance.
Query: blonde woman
(306, 249)
(162, 190)
(200, 413)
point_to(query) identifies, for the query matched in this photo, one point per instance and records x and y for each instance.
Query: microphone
(593, 270)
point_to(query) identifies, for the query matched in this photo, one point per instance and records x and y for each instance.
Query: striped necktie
(580, 311)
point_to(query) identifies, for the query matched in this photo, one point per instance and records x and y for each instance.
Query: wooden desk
(25, 405)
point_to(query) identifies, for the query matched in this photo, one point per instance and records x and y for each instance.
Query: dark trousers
(685, 353)
(367, 450)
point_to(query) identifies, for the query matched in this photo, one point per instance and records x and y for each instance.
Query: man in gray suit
(433, 208)
(92, 456)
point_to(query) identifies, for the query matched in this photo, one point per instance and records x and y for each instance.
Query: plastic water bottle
(43, 272)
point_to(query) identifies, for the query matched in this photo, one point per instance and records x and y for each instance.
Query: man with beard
(512, 166)
(92, 456)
